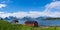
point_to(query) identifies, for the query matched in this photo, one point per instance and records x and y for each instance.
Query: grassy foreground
(4, 25)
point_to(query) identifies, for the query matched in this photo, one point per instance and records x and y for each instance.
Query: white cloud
(2, 5)
(53, 9)
(32, 14)
(52, 5)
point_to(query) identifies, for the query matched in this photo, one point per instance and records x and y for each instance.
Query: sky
(24, 5)
(31, 8)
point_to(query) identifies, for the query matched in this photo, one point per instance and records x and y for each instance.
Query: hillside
(4, 25)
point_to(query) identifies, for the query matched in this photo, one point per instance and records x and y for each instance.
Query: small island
(52, 18)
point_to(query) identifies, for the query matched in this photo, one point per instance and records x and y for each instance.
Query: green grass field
(4, 25)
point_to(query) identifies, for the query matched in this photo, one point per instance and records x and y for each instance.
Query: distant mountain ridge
(29, 18)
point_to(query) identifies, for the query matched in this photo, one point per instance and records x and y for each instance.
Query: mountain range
(27, 18)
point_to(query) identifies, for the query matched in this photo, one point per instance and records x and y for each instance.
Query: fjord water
(43, 22)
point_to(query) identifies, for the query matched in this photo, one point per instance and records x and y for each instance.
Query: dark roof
(30, 22)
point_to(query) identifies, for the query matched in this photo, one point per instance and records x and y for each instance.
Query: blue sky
(24, 5)
(31, 8)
